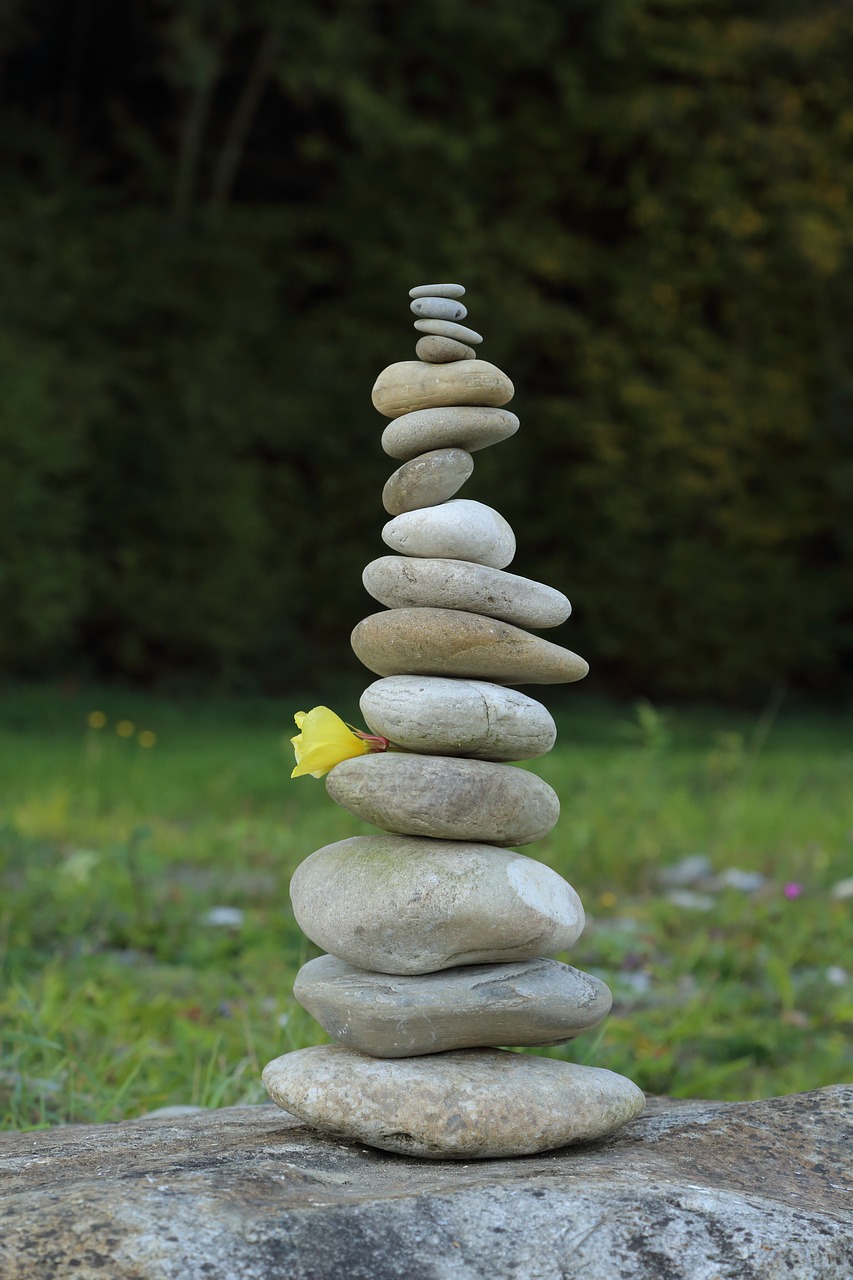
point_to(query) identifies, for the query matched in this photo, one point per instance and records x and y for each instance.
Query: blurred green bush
(211, 214)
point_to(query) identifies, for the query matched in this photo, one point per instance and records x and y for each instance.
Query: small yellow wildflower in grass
(324, 740)
(607, 899)
(147, 738)
(96, 720)
(125, 728)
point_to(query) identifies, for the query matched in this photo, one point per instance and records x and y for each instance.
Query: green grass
(117, 998)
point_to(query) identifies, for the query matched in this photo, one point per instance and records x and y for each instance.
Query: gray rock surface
(445, 797)
(448, 642)
(534, 1002)
(403, 904)
(427, 480)
(412, 385)
(470, 1104)
(437, 291)
(439, 308)
(437, 350)
(448, 329)
(460, 529)
(430, 583)
(470, 427)
(688, 1191)
(458, 718)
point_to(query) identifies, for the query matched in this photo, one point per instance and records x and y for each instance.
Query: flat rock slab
(689, 1191)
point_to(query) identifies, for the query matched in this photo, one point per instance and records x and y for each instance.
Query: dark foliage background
(211, 213)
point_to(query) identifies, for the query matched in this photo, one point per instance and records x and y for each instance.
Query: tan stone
(436, 350)
(405, 904)
(402, 582)
(470, 427)
(532, 1002)
(427, 480)
(471, 1104)
(446, 797)
(410, 385)
(448, 642)
(458, 718)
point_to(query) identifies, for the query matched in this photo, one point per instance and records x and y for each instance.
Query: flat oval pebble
(427, 480)
(441, 350)
(437, 291)
(471, 1104)
(469, 427)
(410, 385)
(449, 329)
(401, 582)
(448, 642)
(445, 797)
(404, 904)
(460, 530)
(532, 1002)
(431, 714)
(439, 309)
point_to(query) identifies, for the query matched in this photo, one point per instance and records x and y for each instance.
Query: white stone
(406, 904)
(439, 309)
(469, 427)
(401, 582)
(437, 291)
(459, 530)
(449, 329)
(474, 1103)
(458, 717)
(451, 799)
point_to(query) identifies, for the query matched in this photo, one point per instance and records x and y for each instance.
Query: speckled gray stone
(448, 642)
(688, 1189)
(410, 385)
(471, 1104)
(405, 904)
(439, 309)
(469, 427)
(441, 350)
(460, 529)
(427, 480)
(446, 797)
(402, 582)
(458, 717)
(449, 329)
(437, 291)
(532, 1002)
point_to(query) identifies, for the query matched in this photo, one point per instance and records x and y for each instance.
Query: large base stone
(470, 1104)
(689, 1191)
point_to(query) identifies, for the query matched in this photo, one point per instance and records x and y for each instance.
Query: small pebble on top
(437, 291)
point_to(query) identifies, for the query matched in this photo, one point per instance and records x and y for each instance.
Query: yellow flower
(97, 719)
(324, 741)
(125, 728)
(147, 738)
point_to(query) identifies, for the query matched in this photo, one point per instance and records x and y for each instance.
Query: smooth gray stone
(470, 1104)
(410, 385)
(469, 427)
(460, 529)
(437, 291)
(400, 583)
(534, 1002)
(458, 717)
(445, 797)
(442, 350)
(439, 309)
(427, 480)
(448, 329)
(689, 1189)
(405, 904)
(449, 642)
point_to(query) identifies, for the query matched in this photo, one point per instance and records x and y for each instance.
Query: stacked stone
(437, 932)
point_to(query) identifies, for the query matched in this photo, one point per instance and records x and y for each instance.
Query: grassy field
(125, 986)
